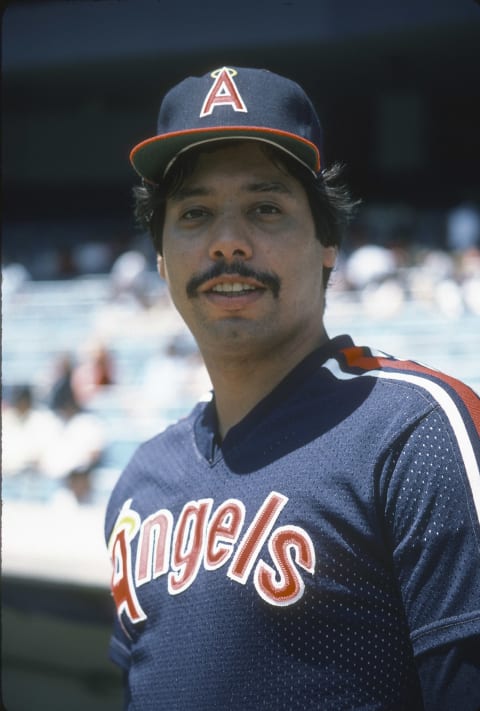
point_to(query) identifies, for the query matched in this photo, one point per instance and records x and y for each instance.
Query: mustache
(268, 279)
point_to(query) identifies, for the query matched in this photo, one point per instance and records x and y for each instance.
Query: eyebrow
(185, 193)
(268, 187)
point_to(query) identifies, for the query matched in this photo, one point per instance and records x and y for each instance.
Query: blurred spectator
(448, 298)
(81, 437)
(385, 299)
(128, 278)
(76, 489)
(433, 267)
(14, 276)
(92, 257)
(62, 378)
(175, 375)
(463, 228)
(369, 264)
(94, 371)
(469, 269)
(28, 429)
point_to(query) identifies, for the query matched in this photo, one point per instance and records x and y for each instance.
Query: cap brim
(153, 157)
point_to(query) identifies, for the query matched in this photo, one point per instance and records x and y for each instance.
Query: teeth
(229, 288)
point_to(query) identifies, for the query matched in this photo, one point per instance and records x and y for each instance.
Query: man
(310, 538)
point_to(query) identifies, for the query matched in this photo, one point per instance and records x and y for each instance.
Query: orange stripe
(217, 129)
(356, 359)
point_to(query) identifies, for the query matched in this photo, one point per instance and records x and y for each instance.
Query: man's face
(240, 256)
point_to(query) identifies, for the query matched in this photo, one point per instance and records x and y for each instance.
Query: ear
(329, 256)
(161, 266)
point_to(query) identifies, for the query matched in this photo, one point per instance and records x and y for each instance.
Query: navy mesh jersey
(311, 560)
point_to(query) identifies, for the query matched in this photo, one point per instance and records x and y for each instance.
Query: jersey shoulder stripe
(459, 402)
(359, 360)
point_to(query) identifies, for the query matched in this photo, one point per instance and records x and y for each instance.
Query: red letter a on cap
(223, 92)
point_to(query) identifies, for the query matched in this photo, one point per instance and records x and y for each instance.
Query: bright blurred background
(94, 358)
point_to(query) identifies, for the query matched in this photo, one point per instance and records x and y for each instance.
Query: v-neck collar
(206, 424)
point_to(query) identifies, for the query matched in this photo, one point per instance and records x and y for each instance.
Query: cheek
(305, 274)
(173, 263)
(177, 268)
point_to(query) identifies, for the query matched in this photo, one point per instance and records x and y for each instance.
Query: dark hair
(330, 200)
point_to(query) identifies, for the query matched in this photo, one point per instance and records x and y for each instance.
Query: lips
(231, 285)
(232, 294)
(234, 288)
(233, 280)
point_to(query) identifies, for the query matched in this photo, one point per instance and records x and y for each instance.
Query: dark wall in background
(396, 88)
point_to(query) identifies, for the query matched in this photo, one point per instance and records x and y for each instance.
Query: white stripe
(448, 405)
(334, 367)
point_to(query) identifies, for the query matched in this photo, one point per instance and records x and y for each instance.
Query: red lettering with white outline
(202, 536)
(153, 550)
(188, 544)
(285, 585)
(123, 589)
(222, 533)
(255, 536)
(224, 92)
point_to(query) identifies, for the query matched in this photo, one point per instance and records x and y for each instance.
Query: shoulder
(401, 377)
(424, 405)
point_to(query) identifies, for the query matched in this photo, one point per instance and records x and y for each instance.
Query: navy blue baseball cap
(231, 102)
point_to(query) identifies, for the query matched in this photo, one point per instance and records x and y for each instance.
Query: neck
(240, 383)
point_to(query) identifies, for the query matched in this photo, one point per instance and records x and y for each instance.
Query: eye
(194, 213)
(266, 208)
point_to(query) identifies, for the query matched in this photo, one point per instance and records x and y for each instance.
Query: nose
(230, 240)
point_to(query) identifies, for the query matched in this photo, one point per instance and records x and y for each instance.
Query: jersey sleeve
(119, 648)
(432, 518)
(450, 676)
